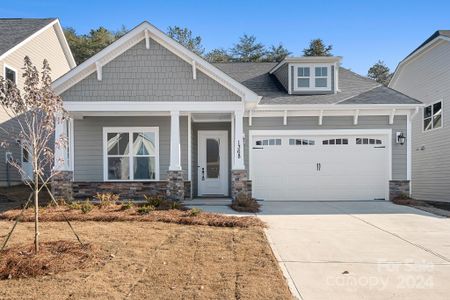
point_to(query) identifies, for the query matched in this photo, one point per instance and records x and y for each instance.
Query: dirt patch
(116, 213)
(54, 257)
(158, 261)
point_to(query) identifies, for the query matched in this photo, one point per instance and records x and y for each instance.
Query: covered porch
(179, 150)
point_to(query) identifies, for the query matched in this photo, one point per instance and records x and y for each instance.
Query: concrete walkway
(360, 250)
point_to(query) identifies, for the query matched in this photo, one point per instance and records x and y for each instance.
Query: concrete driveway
(360, 250)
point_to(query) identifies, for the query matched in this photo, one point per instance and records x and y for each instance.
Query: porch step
(208, 201)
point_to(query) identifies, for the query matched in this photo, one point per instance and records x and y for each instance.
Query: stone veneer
(398, 188)
(134, 190)
(61, 183)
(240, 183)
(175, 185)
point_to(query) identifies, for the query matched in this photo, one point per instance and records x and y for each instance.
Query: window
(368, 141)
(303, 76)
(432, 116)
(335, 142)
(312, 77)
(298, 142)
(131, 153)
(10, 74)
(321, 76)
(269, 142)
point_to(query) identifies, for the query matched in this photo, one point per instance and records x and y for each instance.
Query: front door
(212, 163)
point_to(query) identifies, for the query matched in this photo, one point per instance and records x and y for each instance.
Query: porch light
(400, 138)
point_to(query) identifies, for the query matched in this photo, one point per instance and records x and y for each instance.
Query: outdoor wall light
(401, 138)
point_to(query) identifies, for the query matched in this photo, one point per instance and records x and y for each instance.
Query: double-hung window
(312, 77)
(432, 116)
(131, 153)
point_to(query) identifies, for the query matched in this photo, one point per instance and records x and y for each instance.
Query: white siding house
(425, 75)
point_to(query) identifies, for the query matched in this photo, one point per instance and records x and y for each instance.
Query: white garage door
(325, 167)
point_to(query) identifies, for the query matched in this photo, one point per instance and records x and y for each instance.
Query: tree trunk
(36, 212)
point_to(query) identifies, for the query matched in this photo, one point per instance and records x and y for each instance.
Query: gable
(153, 74)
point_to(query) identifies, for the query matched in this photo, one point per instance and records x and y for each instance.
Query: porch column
(175, 155)
(238, 145)
(175, 178)
(61, 181)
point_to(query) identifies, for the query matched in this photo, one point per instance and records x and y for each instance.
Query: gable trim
(143, 31)
(430, 45)
(59, 33)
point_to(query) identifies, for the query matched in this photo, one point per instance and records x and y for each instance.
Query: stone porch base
(240, 183)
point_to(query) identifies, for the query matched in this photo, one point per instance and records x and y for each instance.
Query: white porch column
(61, 151)
(175, 153)
(238, 145)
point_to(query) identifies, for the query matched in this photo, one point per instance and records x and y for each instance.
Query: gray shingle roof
(354, 89)
(15, 30)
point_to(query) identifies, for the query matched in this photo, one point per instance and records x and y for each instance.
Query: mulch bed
(54, 257)
(115, 213)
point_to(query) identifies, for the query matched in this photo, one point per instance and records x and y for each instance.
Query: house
(149, 116)
(38, 39)
(425, 75)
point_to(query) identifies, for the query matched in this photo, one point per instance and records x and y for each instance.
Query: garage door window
(368, 141)
(301, 142)
(335, 142)
(269, 142)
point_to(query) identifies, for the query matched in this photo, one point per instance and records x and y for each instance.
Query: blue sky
(360, 31)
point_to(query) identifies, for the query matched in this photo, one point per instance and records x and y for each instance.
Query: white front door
(212, 163)
(26, 161)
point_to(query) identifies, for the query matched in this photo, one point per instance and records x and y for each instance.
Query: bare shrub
(244, 203)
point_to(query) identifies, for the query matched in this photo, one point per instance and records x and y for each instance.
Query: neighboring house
(150, 116)
(39, 39)
(425, 75)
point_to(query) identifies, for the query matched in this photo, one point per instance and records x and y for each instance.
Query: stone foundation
(398, 188)
(126, 190)
(240, 183)
(175, 185)
(62, 185)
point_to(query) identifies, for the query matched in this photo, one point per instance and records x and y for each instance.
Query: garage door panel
(322, 168)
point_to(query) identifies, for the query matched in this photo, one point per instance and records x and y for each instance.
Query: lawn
(155, 260)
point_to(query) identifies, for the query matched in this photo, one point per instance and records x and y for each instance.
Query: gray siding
(427, 78)
(365, 122)
(207, 126)
(154, 74)
(88, 140)
(283, 76)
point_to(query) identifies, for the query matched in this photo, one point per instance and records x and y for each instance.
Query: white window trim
(5, 66)
(312, 77)
(107, 130)
(442, 116)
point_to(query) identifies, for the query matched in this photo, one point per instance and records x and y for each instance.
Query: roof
(15, 30)
(306, 59)
(444, 33)
(354, 88)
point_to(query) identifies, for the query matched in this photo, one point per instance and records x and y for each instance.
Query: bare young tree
(36, 111)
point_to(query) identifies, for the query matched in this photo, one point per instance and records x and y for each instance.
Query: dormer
(309, 75)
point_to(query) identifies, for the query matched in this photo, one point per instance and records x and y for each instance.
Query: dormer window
(312, 78)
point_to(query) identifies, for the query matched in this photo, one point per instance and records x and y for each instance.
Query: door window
(212, 158)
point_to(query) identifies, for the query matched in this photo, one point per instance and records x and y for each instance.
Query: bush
(86, 206)
(107, 199)
(74, 205)
(127, 205)
(146, 209)
(195, 212)
(155, 200)
(244, 203)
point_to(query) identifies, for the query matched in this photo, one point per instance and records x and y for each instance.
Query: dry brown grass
(54, 257)
(156, 261)
(115, 213)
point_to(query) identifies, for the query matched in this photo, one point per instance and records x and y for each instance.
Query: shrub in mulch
(54, 257)
(116, 213)
(404, 199)
(244, 203)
